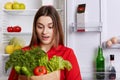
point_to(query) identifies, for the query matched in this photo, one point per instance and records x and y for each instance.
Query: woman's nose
(45, 30)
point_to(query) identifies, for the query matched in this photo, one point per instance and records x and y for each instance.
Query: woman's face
(44, 28)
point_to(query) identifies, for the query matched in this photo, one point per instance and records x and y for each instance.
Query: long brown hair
(58, 31)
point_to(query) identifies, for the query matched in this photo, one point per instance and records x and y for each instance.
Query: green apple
(8, 5)
(15, 5)
(22, 6)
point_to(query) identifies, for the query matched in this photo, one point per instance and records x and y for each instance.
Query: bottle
(100, 65)
(112, 71)
(81, 17)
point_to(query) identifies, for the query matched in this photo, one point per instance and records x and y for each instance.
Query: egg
(114, 40)
(109, 43)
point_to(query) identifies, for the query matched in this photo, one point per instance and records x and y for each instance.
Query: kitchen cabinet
(23, 18)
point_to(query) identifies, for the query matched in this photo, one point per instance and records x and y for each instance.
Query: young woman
(48, 34)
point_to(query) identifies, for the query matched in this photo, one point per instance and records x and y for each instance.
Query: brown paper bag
(50, 76)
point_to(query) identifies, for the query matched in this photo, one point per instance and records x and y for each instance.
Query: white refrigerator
(101, 23)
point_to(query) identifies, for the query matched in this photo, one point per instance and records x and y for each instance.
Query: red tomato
(40, 70)
(17, 29)
(10, 29)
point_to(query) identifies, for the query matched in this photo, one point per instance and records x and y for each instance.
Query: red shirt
(67, 54)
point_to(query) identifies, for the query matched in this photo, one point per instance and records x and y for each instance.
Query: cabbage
(17, 41)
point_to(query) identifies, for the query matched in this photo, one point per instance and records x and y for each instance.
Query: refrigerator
(101, 22)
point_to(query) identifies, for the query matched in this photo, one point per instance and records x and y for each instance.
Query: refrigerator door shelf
(87, 27)
(113, 46)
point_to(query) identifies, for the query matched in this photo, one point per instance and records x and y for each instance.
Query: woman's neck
(46, 48)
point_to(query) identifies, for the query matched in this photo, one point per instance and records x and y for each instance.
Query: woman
(48, 34)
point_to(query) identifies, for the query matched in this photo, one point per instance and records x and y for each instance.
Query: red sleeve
(74, 73)
(13, 75)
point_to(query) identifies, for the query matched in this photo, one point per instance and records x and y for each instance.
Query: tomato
(17, 29)
(40, 70)
(10, 29)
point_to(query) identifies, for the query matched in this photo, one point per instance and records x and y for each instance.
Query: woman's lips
(45, 37)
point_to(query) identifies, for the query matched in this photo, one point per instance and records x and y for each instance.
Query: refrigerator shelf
(87, 27)
(5, 55)
(21, 12)
(17, 33)
(26, 12)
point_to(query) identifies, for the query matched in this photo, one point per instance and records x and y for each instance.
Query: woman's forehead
(45, 19)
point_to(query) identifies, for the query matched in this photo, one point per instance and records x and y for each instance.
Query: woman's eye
(40, 27)
(50, 27)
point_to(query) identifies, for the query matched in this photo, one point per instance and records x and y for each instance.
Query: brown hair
(58, 31)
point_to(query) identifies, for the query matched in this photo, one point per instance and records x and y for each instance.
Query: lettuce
(58, 63)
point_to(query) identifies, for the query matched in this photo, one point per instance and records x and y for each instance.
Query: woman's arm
(74, 73)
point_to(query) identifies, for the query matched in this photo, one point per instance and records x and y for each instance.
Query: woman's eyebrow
(50, 23)
(39, 23)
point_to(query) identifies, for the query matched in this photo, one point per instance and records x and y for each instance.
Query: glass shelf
(87, 27)
(26, 12)
(8, 35)
(17, 33)
(5, 55)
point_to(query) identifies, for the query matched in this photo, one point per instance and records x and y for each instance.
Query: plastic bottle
(100, 65)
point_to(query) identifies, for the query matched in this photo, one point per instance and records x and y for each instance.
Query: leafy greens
(35, 57)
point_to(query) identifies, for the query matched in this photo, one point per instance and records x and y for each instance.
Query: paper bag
(50, 76)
